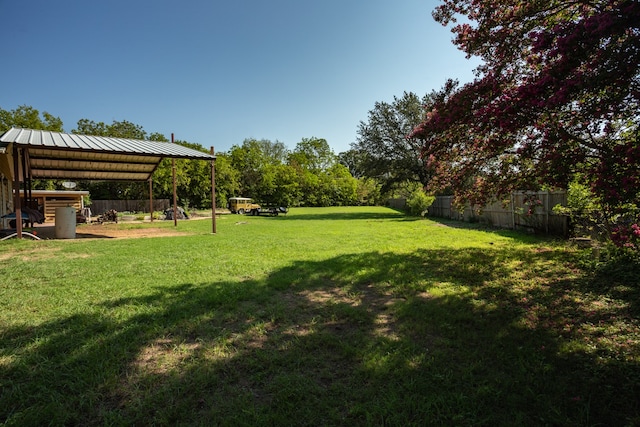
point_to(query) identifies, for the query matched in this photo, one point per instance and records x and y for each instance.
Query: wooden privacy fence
(531, 211)
(399, 203)
(99, 207)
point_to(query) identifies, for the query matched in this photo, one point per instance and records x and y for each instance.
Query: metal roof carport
(54, 155)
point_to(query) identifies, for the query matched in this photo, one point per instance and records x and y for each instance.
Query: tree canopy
(382, 150)
(28, 117)
(557, 97)
(118, 129)
(309, 175)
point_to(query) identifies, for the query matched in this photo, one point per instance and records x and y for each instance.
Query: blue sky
(218, 72)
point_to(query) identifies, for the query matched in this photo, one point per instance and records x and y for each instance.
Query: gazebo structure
(27, 154)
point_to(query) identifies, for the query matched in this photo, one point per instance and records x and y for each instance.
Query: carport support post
(151, 199)
(17, 208)
(175, 198)
(213, 191)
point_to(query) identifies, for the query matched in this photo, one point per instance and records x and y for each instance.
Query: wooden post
(175, 197)
(26, 173)
(546, 211)
(151, 199)
(17, 208)
(513, 210)
(213, 192)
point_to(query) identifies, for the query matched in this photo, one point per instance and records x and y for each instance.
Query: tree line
(309, 175)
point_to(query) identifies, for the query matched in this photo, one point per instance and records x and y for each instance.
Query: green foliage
(118, 129)
(47, 184)
(227, 179)
(620, 265)
(368, 192)
(383, 151)
(584, 212)
(250, 160)
(28, 117)
(354, 160)
(580, 200)
(193, 179)
(589, 217)
(345, 186)
(308, 176)
(418, 202)
(313, 154)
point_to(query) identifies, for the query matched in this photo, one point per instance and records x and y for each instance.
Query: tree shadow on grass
(513, 234)
(462, 337)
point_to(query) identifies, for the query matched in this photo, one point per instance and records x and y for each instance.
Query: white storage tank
(65, 227)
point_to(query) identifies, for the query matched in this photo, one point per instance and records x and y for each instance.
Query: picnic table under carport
(39, 154)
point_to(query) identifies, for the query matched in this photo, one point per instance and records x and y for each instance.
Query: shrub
(418, 202)
(626, 236)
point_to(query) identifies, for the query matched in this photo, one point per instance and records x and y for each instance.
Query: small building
(48, 200)
(6, 189)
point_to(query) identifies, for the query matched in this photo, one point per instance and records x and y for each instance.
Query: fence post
(546, 212)
(513, 211)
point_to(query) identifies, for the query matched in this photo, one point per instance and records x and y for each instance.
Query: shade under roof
(56, 155)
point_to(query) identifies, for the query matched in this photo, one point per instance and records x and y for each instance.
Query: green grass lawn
(326, 316)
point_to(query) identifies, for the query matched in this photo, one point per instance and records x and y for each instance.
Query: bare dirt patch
(112, 231)
(98, 231)
(162, 355)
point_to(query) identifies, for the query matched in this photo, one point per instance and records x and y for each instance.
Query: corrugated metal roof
(55, 155)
